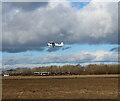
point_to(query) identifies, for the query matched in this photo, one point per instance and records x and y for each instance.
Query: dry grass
(84, 88)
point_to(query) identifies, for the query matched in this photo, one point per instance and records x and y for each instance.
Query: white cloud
(80, 57)
(24, 30)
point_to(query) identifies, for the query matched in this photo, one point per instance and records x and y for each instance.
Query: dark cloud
(21, 49)
(116, 49)
(25, 6)
(51, 49)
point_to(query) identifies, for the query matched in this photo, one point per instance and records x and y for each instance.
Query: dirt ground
(59, 76)
(77, 88)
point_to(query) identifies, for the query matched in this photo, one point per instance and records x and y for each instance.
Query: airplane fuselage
(53, 44)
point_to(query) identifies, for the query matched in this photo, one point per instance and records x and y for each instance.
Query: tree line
(68, 70)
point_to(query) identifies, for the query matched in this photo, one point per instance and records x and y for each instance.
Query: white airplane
(53, 44)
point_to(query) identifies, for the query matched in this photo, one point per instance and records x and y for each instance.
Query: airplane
(53, 44)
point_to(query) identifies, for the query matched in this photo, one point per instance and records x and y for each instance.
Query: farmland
(80, 87)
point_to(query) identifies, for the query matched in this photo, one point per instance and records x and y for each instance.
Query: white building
(42, 73)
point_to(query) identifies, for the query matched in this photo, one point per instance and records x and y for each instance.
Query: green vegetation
(68, 70)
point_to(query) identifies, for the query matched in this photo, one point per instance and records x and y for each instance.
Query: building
(5, 74)
(42, 73)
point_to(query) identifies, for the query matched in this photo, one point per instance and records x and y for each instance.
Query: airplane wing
(56, 44)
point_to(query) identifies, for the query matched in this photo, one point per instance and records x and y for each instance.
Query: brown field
(86, 87)
(59, 76)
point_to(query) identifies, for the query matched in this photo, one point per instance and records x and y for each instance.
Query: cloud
(51, 49)
(116, 49)
(118, 22)
(65, 48)
(25, 6)
(28, 55)
(15, 60)
(20, 65)
(80, 57)
(26, 28)
(0, 27)
(20, 48)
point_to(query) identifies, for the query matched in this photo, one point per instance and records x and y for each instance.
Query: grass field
(77, 88)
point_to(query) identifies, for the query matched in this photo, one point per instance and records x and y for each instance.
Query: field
(75, 87)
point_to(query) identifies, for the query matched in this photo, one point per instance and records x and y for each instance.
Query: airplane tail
(62, 43)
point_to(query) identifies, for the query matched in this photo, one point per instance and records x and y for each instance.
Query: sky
(89, 31)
